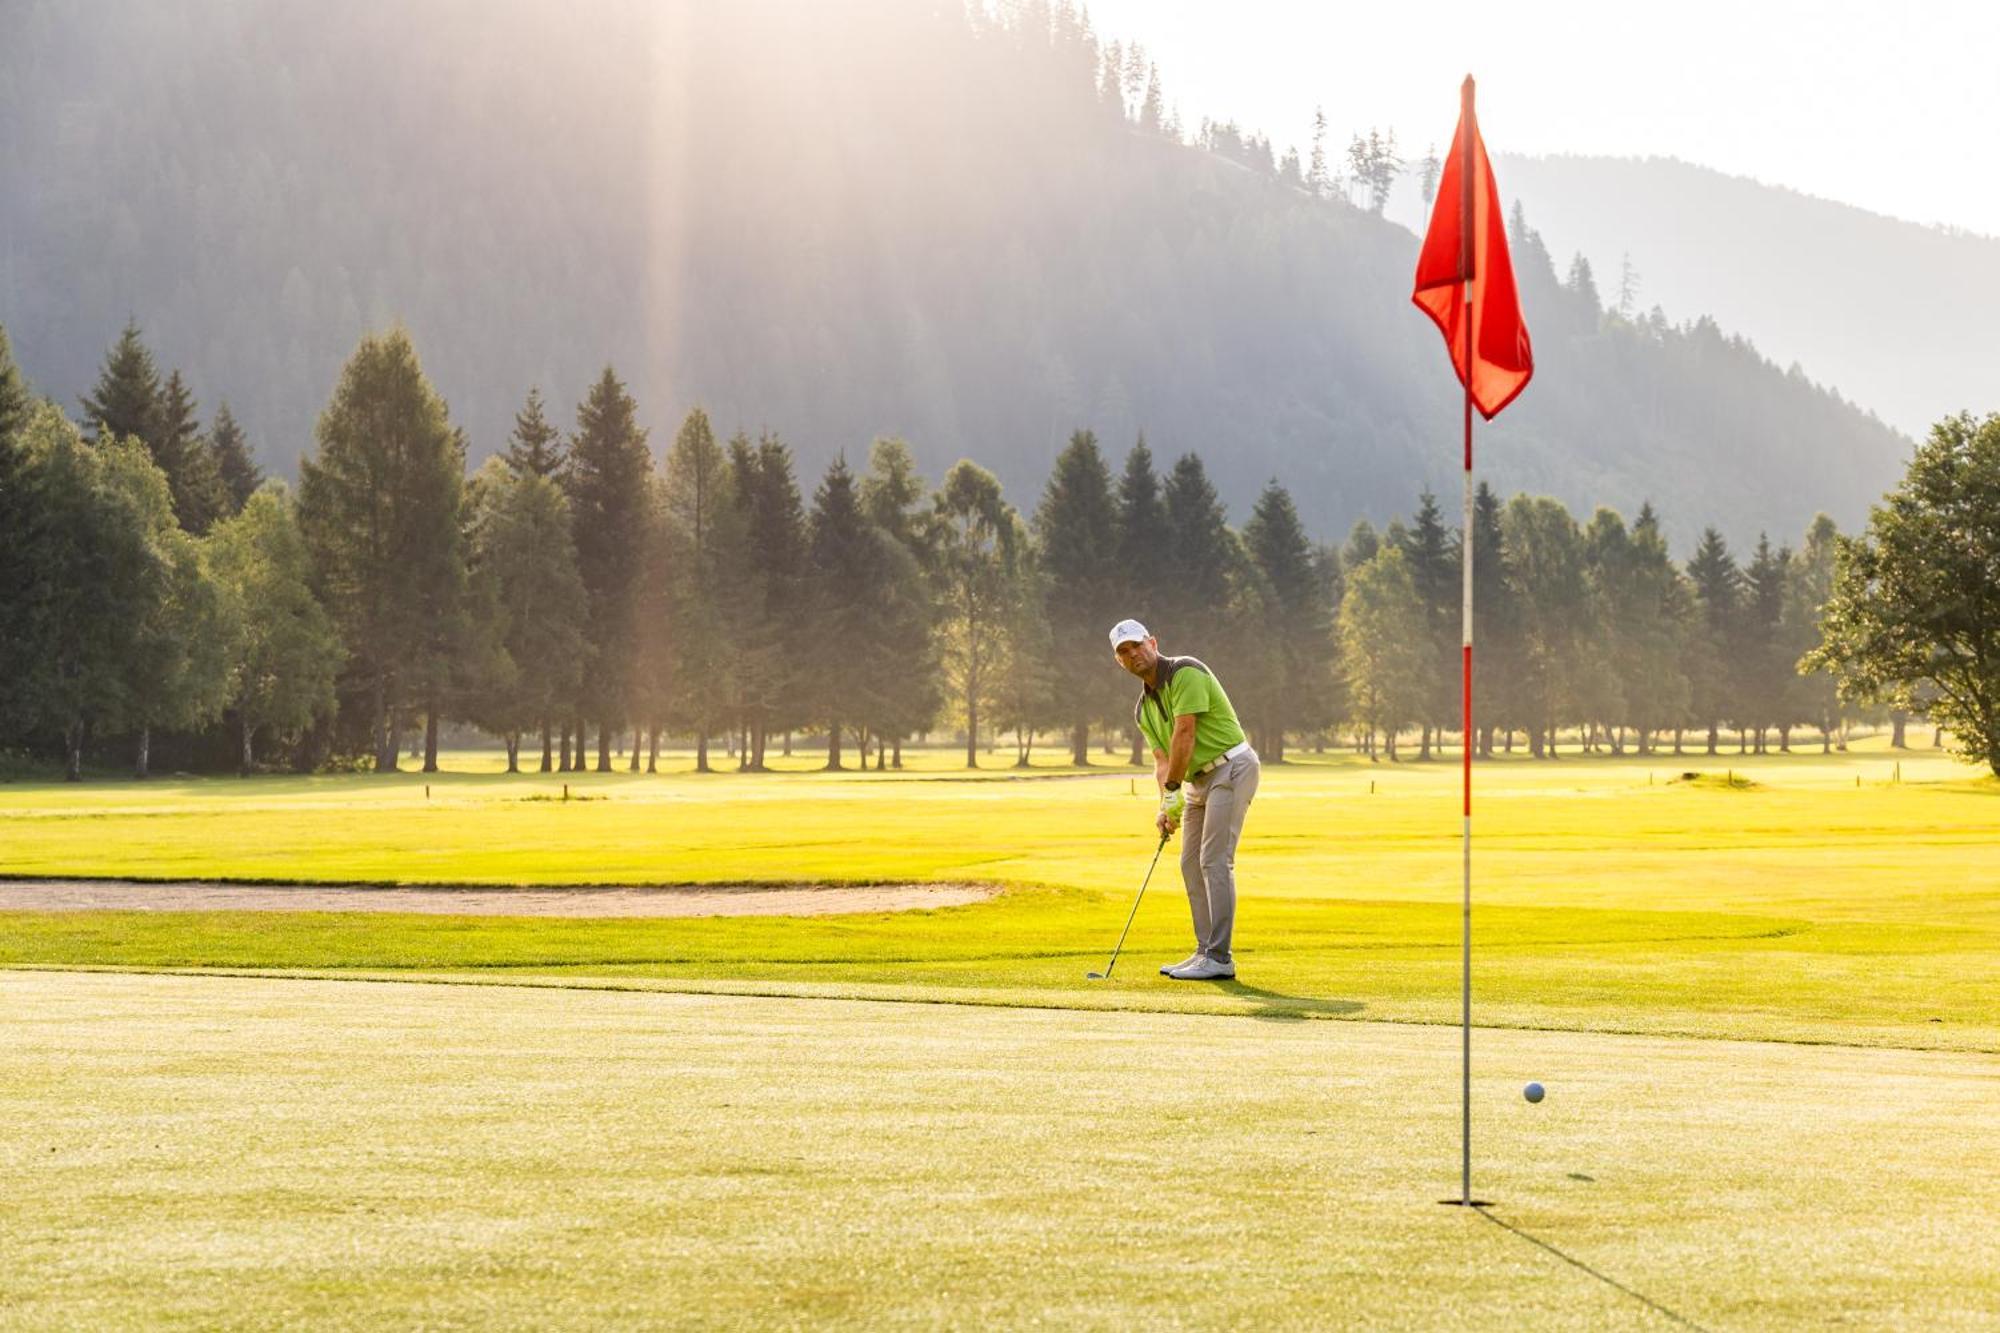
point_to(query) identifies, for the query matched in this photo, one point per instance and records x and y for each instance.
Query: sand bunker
(594, 901)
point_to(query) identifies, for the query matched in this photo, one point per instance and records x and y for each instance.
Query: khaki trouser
(1213, 821)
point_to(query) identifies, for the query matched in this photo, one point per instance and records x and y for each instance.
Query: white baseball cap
(1128, 631)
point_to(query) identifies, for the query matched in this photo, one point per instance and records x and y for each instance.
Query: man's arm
(1182, 753)
(1160, 768)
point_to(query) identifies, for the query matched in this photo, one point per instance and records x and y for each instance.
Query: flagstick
(1467, 184)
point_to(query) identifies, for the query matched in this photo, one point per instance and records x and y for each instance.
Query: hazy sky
(1894, 108)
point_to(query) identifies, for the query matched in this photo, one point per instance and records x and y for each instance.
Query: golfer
(1207, 774)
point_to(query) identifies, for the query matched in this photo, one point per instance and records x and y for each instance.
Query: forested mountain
(1896, 315)
(831, 222)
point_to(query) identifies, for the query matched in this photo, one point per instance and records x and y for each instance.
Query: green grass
(1612, 896)
(1763, 1001)
(251, 1153)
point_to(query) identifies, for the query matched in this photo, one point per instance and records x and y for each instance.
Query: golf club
(1106, 973)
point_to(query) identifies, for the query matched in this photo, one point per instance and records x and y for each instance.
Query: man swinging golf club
(1207, 774)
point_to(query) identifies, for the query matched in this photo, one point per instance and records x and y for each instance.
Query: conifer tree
(1204, 551)
(1077, 530)
(535, 447)
(896, 501)
(979, 544)
(1428, 550)
(126, 401)
(705, 540)
(1495, 629)
(1807, 591)
(233, 461)
(101, 514)
(1713, 676)
(379, 503)
(1656, 607)
(844, 591)
(606, 482)
(15, 401)
(193, 475)
(1543, 555)
(1146, 562)
(1296, 633)
(523, 547)
(769, 667)
(1769, 671)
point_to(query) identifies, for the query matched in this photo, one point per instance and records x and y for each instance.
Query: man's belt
(1236, 751)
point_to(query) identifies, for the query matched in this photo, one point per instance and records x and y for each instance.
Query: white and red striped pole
(1469, 194)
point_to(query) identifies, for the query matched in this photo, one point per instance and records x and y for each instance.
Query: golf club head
(1093, 976)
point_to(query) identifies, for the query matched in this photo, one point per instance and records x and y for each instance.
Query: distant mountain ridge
(1894, 314)
(829, 221)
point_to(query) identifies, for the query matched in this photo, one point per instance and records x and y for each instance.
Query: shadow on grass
(1280, 1007)
(1486, 1211)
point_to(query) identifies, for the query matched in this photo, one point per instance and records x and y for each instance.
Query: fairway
(1762, 999)
(222, 1153)
(1822, 901)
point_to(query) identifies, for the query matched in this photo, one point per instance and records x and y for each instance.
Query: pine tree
(379, 503)
(846, 585)
(1769, 670)
(99, 519)
(1297, 633)
(606, 483)
(1496, 633)
(193, 475)
(1318, 179)
(19, 571)
(1077, 528)
(705, 539)
(1429, 551)
(1543, 556)
(896, 501)
(1808, 590)
(1712, 674)
(233, 461)
(126, 401)
(16, 403)
(1203, 551)
(1144, 558)
(535, 447)
(979, 543)
(1656, 607)
(770, 670)
(1427, 174)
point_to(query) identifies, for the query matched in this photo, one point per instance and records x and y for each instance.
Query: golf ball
(1533, 1092)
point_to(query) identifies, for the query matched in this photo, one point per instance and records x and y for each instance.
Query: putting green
(232, 1153)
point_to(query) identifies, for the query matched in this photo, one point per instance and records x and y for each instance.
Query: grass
(1762, 999)
(1612, 896)
(446, 1157)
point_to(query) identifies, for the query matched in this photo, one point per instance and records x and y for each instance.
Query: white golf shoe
(1200, 968)
(1171, 968)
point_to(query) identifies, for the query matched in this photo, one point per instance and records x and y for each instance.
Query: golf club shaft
(1135, 907)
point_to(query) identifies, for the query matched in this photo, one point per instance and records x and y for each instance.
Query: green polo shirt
(1188, 687)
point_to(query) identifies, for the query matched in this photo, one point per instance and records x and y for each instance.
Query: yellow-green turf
(256, 1153)
(1764, 1000)
(1612, 896)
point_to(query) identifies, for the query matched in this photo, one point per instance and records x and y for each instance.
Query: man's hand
(1172, 805)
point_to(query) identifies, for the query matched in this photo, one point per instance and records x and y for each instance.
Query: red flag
(1468, 209)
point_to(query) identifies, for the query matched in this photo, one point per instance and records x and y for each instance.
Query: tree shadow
(1486, 1211)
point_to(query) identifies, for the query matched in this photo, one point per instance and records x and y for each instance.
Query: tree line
(585, 591)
